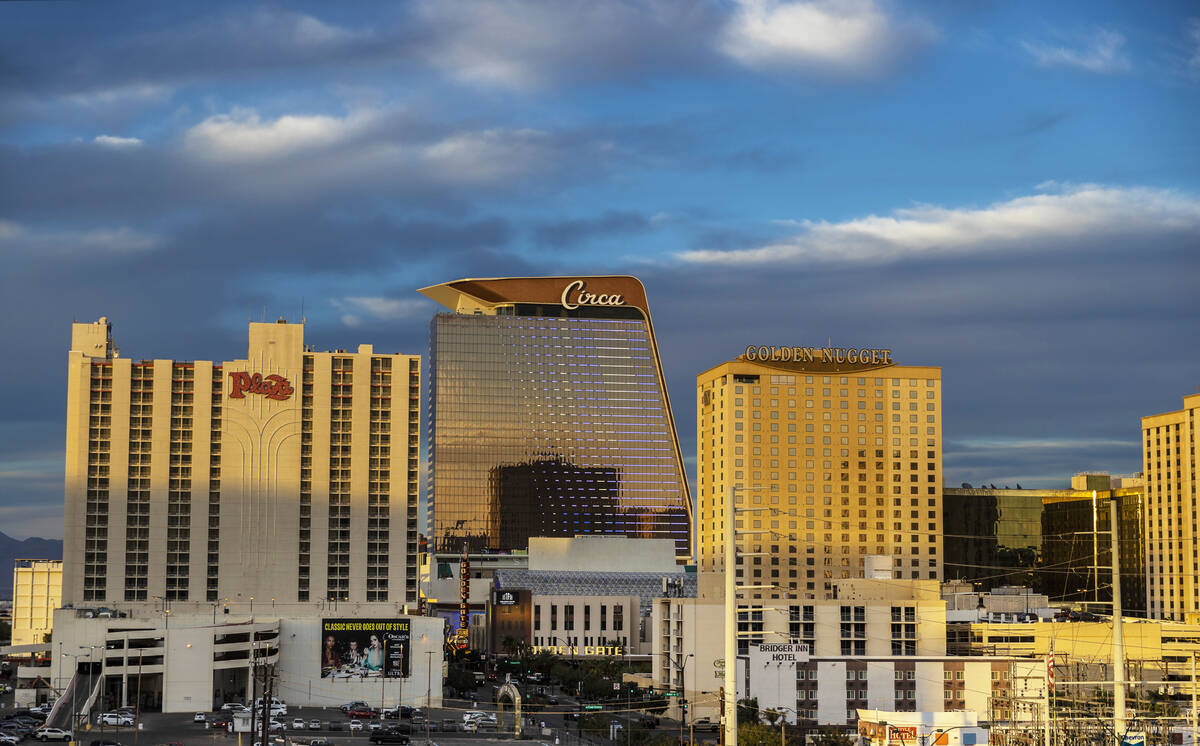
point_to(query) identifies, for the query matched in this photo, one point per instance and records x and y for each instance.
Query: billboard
(364, 648)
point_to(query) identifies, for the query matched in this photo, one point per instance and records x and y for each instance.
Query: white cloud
(70, 242)
(113, 141)
(848, 36)
(1100, 53)
(244, 136)
(354, 308)
(489, 155)
(1072, 213)
(1193, 33)
(523, 44)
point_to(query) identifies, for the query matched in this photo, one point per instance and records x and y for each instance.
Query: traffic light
(684, 704)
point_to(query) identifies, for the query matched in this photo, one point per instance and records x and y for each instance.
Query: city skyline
(1009, 193)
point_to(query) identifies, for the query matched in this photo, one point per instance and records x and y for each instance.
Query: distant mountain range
(31, 548)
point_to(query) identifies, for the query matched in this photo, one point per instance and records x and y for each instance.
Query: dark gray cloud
(563, 233)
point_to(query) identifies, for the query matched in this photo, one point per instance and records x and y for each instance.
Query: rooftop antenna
(302, 319)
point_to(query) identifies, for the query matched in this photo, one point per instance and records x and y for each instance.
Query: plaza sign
(273, 386)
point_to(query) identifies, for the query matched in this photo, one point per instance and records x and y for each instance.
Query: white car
(274, 725)
(314, 724)
(355, 725)
(298, 724)
(473, 715)
(52, 734)
(114, 718)
(199, 717)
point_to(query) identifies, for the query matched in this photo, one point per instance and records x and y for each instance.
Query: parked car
(355, 726)
(298, 724)
(389, 735)
(114, 718)
(356, 704)
(8, 738)
(361, 712)
(103, 742)
(199, 717)
(52, 734)
(314, 724)
(319, 742)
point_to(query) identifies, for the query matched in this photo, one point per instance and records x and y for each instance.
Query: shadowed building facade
(549, 415)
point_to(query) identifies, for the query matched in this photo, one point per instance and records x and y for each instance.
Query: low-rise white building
(189, 662)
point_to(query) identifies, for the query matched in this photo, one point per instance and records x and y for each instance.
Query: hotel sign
(273, 386)
(826, 355)
(582, 297)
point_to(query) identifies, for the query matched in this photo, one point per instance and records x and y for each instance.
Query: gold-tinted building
(1169, 456)
(289, 476)
(549, 415)
(37, 591)
(843, 445)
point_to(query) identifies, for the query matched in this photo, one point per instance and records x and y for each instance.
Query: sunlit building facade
(1169, 461)
(37, 590)
(290, 476)
(549, 416)
(837, 454)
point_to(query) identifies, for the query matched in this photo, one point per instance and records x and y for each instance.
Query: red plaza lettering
(273, 386)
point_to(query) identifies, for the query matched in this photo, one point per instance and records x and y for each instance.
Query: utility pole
(1118, 637)
(1194, 728)
(266, 705)
(729, 692)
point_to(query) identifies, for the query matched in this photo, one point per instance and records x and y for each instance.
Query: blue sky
(1007, 190)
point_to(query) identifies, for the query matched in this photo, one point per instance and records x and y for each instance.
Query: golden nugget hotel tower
(843, 444)
(289, 476)
(549, 415)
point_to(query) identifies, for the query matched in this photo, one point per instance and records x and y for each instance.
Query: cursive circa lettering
(273, 386)
(584, 298)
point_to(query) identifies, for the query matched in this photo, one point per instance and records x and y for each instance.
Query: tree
(832, 737)
(747, 711)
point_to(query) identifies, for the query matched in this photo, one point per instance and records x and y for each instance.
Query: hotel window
(618, 618)
(537, 617)
(553, 617)
(603, 617)
(569, 617)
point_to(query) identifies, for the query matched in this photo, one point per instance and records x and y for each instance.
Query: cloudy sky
(1008, 190)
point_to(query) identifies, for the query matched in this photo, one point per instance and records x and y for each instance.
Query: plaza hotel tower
(837, 455)
(290, 475)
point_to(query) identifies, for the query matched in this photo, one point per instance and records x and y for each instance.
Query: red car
(361, 712)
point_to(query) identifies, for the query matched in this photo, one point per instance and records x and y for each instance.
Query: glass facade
(1077, 540)
(993, 538)
(550, 421)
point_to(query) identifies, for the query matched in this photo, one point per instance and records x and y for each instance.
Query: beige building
(878, 644)
(1169, 462)
(838, 454)
(288, 476)
(37, 590)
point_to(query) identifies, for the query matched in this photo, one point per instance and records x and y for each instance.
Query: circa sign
(834, 355)
(585, 298)
(273, 386)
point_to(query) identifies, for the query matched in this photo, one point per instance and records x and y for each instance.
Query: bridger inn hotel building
(218, 514)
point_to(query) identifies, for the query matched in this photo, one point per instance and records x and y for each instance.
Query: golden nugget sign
(574, 650)
(835, 355)
(584, 298)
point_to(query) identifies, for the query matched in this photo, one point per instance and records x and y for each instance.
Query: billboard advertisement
(364, 648)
